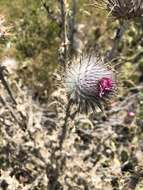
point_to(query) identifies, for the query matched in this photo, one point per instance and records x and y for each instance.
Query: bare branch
(50, 13)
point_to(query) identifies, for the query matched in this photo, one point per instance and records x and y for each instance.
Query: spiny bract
(122, 9)
(90, 82)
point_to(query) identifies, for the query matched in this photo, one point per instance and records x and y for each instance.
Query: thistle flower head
(122, 9)
(90, 82)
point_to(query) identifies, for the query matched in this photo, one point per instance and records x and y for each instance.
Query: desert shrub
(35, 37)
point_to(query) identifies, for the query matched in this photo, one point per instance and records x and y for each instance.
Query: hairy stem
(63, 4)
(119, 34)
(64, 127)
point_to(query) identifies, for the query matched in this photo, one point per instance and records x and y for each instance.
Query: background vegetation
(98, 153)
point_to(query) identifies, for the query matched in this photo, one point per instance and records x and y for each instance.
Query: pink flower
(131, 114)
(105, 86)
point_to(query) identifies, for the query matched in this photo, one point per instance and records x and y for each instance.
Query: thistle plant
(123, 11)
(90, 82)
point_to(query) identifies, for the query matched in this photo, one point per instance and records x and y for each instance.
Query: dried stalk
(72, 26)
(119, 34)
(64, 128)
(63, 4)
(50, 13)
(5, 84)
(13, 114)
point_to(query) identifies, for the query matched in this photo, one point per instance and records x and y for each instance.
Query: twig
(35, 183)
(5, 83)
(119, 34)
(11, 110)
(50, 14)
